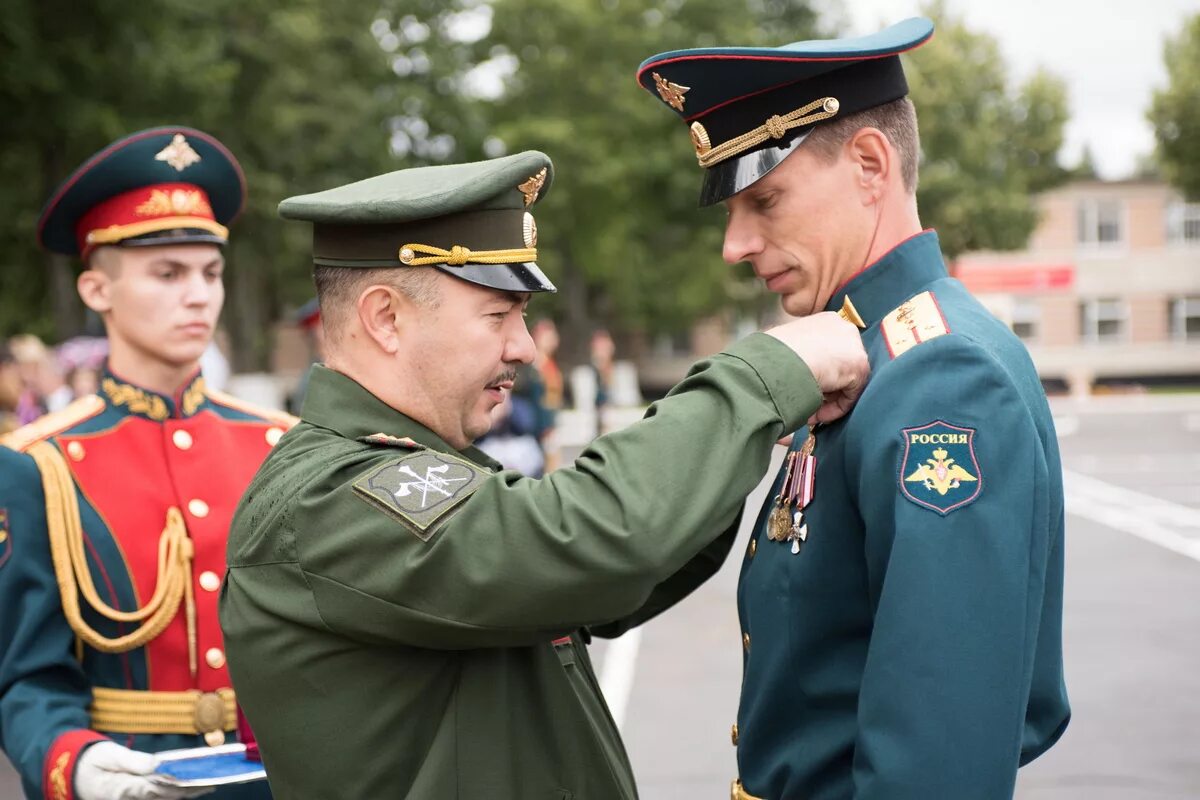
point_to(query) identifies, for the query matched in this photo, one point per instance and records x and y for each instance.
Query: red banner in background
(1016, 278)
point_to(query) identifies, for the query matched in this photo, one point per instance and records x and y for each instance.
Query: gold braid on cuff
(421, 255)
(773, 128)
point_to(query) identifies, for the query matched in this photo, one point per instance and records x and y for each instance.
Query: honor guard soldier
(114, 512)
(901, 597)
(405, 620)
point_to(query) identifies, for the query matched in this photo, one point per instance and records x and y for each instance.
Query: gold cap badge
(179, 154)
(532, 187)
(671, 93)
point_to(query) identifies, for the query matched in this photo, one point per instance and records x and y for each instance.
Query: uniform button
(753, 547)
(733, 735)
(210, 581)
(274, 435)
(182, 439)
(215, 657)
(746, 642)
(198, 508)
(75, 451)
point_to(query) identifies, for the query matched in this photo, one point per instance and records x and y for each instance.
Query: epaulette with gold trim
(272, 415)
(55, 422)
(913, 322)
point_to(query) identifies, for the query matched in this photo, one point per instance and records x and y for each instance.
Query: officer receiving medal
(901, 596)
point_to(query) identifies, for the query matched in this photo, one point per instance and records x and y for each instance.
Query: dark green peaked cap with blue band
(748, 108)
(471, 221)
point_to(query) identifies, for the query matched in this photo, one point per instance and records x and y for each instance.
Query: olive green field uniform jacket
(403, 620)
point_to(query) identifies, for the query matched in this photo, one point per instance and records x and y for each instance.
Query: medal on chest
(786, 520)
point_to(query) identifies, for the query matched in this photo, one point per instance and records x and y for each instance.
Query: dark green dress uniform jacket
(403, 622)
(912, 648)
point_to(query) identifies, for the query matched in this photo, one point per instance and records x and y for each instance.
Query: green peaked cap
(470, 220)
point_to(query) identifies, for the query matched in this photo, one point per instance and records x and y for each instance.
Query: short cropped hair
(338, 289)
(106, 258)
(896, 120)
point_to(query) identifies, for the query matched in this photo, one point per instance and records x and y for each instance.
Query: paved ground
(1131, 621)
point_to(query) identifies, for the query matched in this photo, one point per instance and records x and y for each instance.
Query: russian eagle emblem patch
(940, 471)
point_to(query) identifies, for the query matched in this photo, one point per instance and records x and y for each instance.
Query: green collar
(341, 404)
(901, 273)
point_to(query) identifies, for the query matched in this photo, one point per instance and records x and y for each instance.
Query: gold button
(75, 451)
(198, 508)
(733, 735)
(274, 435)
(215, 657)
(182, 439)
(753, 547)
(3, 537)
(210, 581)
(746, 642)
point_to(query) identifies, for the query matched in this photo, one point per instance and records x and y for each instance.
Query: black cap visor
(525, 277)
(722, 181)
(173, 236)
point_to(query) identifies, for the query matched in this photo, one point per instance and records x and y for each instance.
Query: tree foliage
(1175, 111)
(986, 147)
(311, 94)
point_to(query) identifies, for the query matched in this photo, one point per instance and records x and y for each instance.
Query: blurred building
(1108, 290)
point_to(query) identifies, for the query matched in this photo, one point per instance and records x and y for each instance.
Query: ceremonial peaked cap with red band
(749, 107)
(169, 185)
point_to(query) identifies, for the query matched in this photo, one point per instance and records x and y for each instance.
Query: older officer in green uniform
(402, 619)
(901, 597)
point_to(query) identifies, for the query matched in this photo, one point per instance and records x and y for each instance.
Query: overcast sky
(1109, 53)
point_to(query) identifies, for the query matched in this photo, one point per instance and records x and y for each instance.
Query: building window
(1183, 223)
(1185, 319)
(1100, 222)
(1026, 318)
(1103, 319)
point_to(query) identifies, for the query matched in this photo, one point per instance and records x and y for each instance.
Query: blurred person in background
(144, 474)
(29, 352)
(308, 319)
(10, 389)
(901, 596)
(51, 384)
(550, 401)
(603, 350)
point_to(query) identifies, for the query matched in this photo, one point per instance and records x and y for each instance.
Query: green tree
(1175, 111)
(307, 94)
(986, 148)
(622, 236)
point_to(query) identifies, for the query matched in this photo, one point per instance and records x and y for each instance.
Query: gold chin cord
(65, 529)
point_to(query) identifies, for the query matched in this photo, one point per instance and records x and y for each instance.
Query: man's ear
(383, 314)
(95, 289)
(875, 158)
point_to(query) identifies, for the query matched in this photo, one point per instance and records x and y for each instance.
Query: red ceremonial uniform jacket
(133, 455)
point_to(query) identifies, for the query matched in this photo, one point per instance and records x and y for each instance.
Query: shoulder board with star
(53, 423)
(384, 440)
(915, 321)
(271, 415)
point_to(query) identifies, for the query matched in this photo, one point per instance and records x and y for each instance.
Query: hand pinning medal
(786, 522)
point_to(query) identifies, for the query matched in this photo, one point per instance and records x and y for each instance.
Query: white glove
(108, 771)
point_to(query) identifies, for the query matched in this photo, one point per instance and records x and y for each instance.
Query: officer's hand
(108, 771)
(832, 348)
